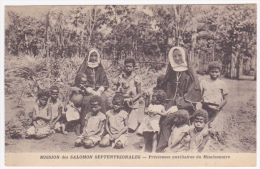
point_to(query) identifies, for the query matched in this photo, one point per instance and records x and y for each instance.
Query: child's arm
(100, 126)
(124, 129)
(203, 143)
(107, 127)
(223, 103)
(59, 116)
(177, 140)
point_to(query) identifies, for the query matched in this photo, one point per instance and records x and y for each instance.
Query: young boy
(116, 124)
(57, 120)
(214, 91)
(199, 135)
(134, 81)
(94, 125)
(42, 114)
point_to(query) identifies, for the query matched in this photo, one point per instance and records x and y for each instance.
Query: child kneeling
(94, 125)
(116, 124)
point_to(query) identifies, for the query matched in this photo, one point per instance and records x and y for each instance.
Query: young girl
(57, 120)
(214, 91)
(151, 123)
(179, 138)
(42, 114)
(116, 124)
(94, 125)
(198, 132)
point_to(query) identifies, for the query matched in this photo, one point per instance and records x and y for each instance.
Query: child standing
(42, 114)
(179, 138)
(116, 124)
(214, 91)
(130, 84)
(57, 120)
(151, 123)
(198, 132)
(94, 125)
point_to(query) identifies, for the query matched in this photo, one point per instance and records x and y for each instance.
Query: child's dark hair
(160, 96)
(159, 82)
(42, 93)
(119, 97)
(130, 60)
(95, 99)
(183, 117)
(201, 113)
(214, 64)
(54, 87)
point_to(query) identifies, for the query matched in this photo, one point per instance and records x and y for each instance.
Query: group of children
(189, 132)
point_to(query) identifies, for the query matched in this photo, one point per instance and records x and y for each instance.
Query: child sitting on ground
(57, 120)
(214, 92)
(42, 114)
(116, 124)
(94, 125)
(179, 138)
(151, 123)
(199, 135)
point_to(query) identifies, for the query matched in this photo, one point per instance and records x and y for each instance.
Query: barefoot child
(151, 122)
(179, 138)
(116, 124)
(94, 125)
(214, 92)
(42, 114)
(57, 120)
(199, 135)
(129, 83)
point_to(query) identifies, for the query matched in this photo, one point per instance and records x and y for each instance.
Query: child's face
(177, 57)
(93, 57)
(54, 94)
(199, 123)
(129, 67)
(43, 100)
(214, 73)
(95, 107)
(117, 105)
(155, 99)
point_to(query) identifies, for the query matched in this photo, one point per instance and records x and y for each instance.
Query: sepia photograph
(165, 80)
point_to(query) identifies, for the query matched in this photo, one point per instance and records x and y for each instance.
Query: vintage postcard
(131, 85)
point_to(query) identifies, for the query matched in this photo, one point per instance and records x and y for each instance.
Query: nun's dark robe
(187, 88)
(96, 77)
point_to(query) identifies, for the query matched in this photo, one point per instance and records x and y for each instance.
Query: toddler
(151, 123)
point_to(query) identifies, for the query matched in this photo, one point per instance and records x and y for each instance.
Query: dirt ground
(238, 119)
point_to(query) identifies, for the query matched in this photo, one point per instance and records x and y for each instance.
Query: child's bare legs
(148, 141)
(63, 127)
(155, 135)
